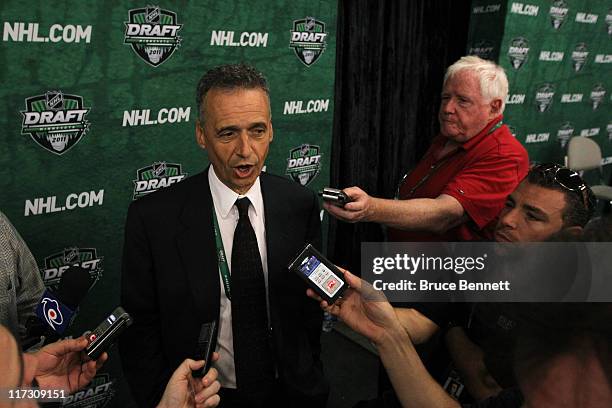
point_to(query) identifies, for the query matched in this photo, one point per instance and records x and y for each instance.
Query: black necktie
(252, 354)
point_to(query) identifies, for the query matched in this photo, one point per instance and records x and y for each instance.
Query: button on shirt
(227, 215)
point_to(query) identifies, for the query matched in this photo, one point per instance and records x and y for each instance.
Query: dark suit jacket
(170, 285)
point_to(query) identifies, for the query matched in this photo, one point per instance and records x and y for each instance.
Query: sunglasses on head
(566, 178)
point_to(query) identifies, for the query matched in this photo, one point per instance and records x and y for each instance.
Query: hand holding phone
(321, 275)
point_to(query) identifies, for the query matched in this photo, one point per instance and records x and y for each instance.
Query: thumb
(353, 281)
(186, 366)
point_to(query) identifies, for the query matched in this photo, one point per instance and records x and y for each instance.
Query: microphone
(57, 309)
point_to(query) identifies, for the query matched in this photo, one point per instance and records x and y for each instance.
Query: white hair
(492, 77)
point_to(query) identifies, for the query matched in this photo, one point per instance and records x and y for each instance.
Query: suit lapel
(196, 246)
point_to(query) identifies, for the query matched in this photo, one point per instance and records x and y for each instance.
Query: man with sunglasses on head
(551, 200)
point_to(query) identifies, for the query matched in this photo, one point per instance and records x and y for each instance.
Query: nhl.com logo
(55, 120)
(517, 52)
(157, 175)
(153, 34)
(304, 163)
(308, 39)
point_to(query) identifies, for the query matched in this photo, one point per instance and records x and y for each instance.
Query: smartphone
(105, 335)
(334, 196)
(207, 341)
(321, 275)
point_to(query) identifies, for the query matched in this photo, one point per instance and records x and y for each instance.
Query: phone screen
(319, 274)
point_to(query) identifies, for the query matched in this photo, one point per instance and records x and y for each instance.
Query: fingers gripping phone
(319, 273)
(335, 196)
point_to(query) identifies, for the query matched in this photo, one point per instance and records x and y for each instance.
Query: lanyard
(221, 258)
(435, 167)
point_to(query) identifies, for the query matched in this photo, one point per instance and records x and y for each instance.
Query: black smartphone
(207, 341)
(334, 196)
(105, 335)
(321, 275)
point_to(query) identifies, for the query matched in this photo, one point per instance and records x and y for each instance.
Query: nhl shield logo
(153, 34)
(598, 95)
(544, 97)
(57, 263)
(517, 52)
(483, 49)
(579, 56)
(565, 133)
(558, 13)
(55, 120)
(308, 39)
(304, 163)
(156, 176)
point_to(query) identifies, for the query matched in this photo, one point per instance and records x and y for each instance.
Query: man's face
(531, 214)
(236, 132)
(463, 110)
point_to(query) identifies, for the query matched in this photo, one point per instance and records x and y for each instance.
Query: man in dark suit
(173, 281)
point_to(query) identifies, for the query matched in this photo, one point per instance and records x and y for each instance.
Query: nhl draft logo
(153, 34)
(517, 52)
(579, 56)
(544, 97)
(304, 163)
(56, 264)
(558, 13)
(597, 95)
(97, 394)
(483, 49)
(308, 39)
(565, 133)
(158, 175)
(55, 120)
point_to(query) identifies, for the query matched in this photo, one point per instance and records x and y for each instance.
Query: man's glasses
(568, 179)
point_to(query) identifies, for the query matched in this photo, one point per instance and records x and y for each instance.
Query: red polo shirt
(480, 174)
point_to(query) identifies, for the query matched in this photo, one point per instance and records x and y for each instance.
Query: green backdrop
(558, 58)
(98, 109)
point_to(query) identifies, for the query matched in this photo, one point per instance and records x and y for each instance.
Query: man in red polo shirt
(459, 187)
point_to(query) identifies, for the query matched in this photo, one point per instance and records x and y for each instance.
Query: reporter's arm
(436, 215)
(413, 385)
(419, 327)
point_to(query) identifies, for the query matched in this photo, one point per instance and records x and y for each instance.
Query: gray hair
(492, 77)
(229, 77)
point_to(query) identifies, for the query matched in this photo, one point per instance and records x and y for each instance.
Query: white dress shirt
(227, 216)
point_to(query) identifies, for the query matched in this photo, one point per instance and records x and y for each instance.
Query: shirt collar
(483, 133)
(225, 197)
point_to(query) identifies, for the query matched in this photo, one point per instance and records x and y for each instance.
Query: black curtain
(391, 58)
